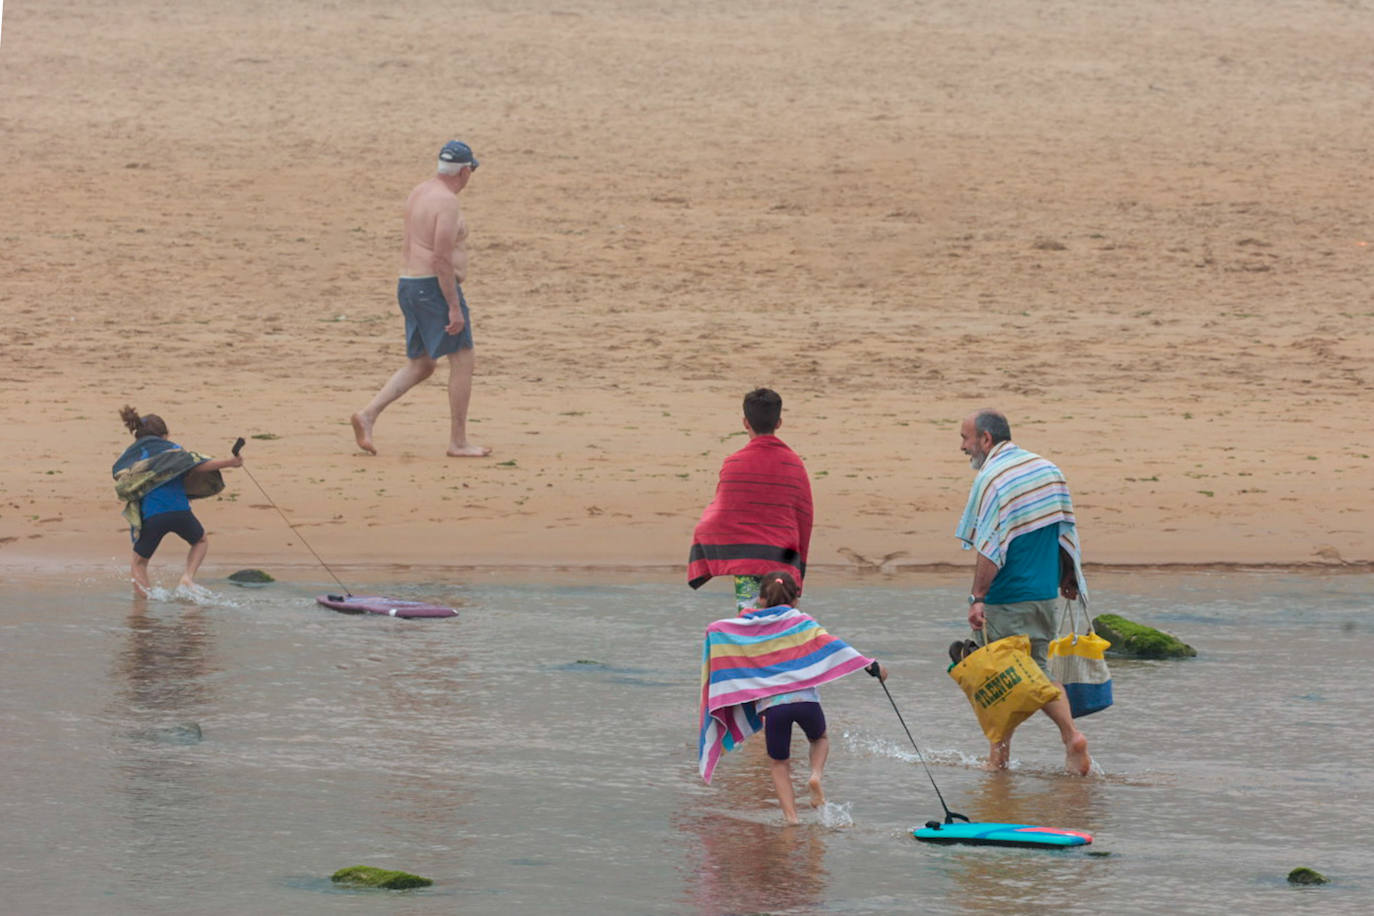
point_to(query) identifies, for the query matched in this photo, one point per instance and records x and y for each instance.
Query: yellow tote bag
(1004, 684)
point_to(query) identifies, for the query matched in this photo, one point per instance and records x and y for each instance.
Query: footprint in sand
(1327, 552)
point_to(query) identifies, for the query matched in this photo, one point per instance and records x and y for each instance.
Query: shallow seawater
(226, 752)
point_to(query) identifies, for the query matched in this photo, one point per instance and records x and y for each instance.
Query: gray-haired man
(434, 263)
(1019, 518)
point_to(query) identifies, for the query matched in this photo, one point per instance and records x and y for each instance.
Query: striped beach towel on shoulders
(761, 654)
(1017, 492)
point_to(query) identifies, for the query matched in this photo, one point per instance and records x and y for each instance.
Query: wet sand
(1145, 233)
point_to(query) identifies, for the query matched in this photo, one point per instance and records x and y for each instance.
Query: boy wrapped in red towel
(760, 519)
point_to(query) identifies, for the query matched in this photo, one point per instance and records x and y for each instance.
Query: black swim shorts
(182, 523)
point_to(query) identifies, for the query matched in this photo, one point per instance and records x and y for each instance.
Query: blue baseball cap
(459, 152)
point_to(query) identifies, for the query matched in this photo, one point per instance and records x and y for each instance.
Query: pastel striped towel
(1017, 492)
(757, 655)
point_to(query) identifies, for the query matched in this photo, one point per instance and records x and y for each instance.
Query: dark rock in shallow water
(1135, 640)
(368, 876)
(184, 733)
(250, 577)
(1306, 876)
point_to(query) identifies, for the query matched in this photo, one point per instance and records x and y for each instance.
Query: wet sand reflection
(163, 672)
(743, 865)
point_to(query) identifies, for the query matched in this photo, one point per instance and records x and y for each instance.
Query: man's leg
(998, 623)
(460, 364)
(999, 753)
(407, 377)
(1076, 759)
(194, 557)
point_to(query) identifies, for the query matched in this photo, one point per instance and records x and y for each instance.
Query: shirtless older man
(434, 263)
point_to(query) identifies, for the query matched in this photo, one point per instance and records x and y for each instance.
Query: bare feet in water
(464, 451)
(1076, 759)
(362, 432)
(817, 794)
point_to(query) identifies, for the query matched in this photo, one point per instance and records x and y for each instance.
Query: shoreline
(15, 563)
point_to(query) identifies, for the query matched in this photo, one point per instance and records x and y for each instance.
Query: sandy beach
(1145, 231)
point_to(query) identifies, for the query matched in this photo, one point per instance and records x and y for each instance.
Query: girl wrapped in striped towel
(760, 672)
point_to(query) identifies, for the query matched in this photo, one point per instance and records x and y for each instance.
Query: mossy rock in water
(1306, 876)
(368, 876)
(1135, 640)
(250, 577)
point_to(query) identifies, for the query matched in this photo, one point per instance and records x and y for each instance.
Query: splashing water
(198, 595)
(835, 815)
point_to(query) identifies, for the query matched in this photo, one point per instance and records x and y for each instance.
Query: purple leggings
(777, 726)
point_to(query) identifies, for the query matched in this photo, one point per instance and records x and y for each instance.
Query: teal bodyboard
(1002, 835)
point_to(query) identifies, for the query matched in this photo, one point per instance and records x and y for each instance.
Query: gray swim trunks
(1036, 619)
(422, 303)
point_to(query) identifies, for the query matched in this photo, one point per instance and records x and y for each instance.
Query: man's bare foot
(817, 794)
(468, 451)
(185, 582)
(1076, 759)
(790, 820)
(998, 757)
(362, 432)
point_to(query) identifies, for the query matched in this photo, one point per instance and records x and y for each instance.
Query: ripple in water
(883, 747)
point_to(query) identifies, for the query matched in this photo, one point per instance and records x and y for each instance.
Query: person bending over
(157, 479)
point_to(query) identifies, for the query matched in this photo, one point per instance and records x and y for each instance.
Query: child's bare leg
(782, 782)
(138, 571)
(820, 752)
(193, 561)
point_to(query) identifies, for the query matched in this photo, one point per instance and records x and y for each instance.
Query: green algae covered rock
(251, 578)
(1135, 640)
(1306, 876)
(368, 876)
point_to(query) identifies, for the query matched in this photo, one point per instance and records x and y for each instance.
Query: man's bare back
(436, 234)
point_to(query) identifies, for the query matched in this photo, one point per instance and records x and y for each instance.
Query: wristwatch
(974, 599)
